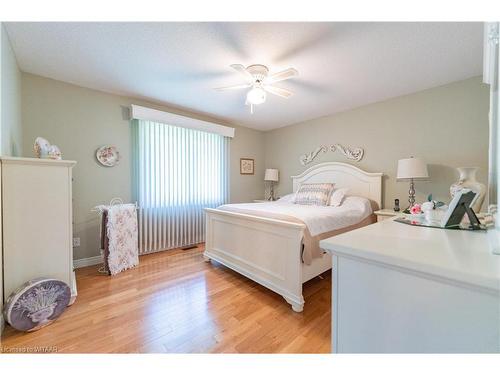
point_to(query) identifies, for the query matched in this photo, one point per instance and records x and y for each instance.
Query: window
(177, 172)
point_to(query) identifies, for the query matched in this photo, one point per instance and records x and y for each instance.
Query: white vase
(468, 180)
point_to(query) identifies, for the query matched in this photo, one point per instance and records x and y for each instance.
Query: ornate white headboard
(359, 182)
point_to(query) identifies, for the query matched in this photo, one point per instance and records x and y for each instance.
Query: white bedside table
(387, 213)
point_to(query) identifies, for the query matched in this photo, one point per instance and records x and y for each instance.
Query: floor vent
(189, 247)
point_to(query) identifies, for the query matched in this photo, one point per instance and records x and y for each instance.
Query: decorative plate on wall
(108, 156)
(36, 304)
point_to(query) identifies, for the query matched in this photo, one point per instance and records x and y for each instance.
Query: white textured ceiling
(341, 65)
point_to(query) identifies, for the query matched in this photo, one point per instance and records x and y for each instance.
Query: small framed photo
(247, 166)
(458, 207)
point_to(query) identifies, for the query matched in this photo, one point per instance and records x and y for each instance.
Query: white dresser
(398, 288)
(37, 221)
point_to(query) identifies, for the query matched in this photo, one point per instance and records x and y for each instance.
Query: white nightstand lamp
(412, 169)
(271, 176)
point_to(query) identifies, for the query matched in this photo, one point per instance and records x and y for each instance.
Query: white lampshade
(412, 168)
(271, 175)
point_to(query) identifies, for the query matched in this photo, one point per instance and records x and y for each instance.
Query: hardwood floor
(175, 302)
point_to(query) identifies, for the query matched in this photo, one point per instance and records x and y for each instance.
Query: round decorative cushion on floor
(36, 304)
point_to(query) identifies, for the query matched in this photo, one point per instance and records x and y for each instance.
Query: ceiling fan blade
(278, 91)
(234, 87)
(281, 76)
(242, 70)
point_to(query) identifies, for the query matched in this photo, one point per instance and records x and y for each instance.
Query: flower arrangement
(431, 204)
(427, 206)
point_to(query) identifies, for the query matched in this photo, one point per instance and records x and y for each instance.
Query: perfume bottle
(396, 205)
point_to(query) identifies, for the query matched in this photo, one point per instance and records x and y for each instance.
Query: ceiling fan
(257, 77)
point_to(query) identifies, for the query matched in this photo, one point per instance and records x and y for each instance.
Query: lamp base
(271, 192)
(411, 197)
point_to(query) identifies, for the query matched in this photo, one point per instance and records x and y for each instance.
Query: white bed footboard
(268, 251)
(265, 250)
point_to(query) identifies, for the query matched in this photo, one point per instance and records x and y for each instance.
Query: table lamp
(412, 169)
(271, 176)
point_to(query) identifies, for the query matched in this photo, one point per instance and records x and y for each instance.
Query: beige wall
(447, 126)
(11, 134)
(80, 120)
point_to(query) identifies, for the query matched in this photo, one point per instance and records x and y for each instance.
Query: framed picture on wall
(247, 166)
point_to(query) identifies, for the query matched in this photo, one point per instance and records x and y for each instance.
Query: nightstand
(387, 213)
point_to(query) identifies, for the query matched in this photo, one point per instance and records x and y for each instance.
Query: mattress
(321, 221)
(318, 219)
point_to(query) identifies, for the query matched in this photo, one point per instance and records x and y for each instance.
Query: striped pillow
(314, 194)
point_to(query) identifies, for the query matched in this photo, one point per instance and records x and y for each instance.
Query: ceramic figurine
(433, 210)
(44, 150)
(54, 153)
(41, 148)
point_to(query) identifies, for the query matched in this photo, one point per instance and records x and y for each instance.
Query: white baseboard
(85, 262)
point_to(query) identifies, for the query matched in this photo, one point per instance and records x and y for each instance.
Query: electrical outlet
(76, 242)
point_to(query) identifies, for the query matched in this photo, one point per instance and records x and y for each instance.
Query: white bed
(269, 250)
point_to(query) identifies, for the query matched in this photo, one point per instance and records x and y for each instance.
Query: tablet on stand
(459, 206)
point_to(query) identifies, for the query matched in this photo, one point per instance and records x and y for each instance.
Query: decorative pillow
(313, 194)
(338, 196)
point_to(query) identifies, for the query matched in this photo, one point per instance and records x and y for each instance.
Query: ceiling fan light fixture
(260, 82)
(256, 96)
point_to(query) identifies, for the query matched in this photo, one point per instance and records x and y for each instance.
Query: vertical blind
(177, 172)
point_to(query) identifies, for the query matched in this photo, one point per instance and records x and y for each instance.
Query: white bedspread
(319, 219)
